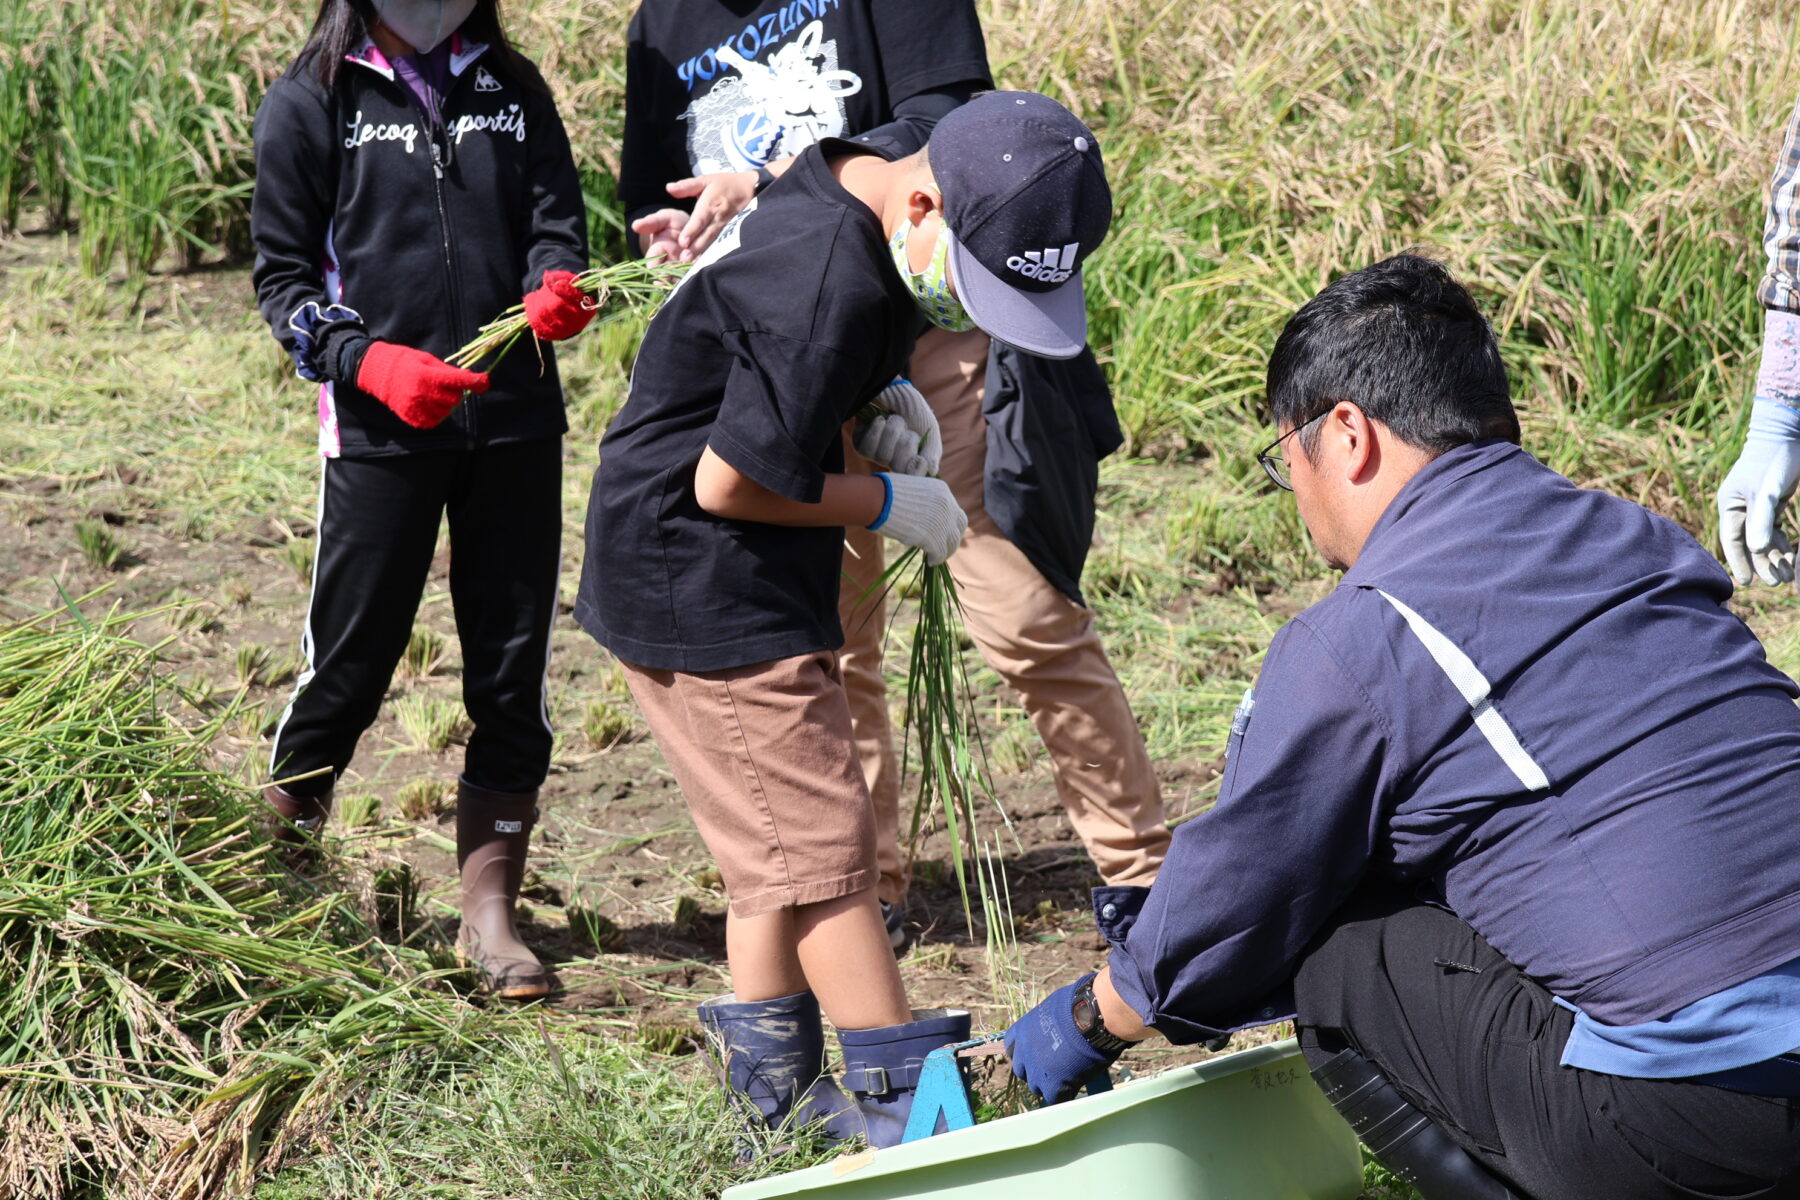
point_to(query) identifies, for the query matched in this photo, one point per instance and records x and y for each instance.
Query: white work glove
(906, 439)
(1762, 481)
(921, 512)
(1753, 494)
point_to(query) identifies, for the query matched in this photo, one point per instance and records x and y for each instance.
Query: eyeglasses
(1271, 459)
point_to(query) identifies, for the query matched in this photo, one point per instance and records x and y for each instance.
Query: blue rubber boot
(774, 1057)
(881, 1067)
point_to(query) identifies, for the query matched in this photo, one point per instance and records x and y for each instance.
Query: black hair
(343, 25)
(1404, 342)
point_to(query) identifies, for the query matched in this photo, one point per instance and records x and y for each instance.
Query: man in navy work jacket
(1509, 823)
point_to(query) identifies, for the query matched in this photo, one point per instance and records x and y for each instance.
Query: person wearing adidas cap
(1025, 193)
(1018, 436)
(714, 540)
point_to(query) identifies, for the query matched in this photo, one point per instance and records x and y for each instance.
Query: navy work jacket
(1528, 702)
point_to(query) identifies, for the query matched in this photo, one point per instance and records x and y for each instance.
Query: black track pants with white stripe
(378, 528)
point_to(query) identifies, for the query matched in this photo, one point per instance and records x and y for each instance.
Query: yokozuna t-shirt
(754, 82)
(792, 320)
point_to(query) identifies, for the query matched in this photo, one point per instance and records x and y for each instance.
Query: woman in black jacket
(413, 180)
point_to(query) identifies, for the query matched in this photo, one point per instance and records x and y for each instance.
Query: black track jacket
(420, 235)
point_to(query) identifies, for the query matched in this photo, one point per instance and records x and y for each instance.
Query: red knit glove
(421, 388)
(559, 309)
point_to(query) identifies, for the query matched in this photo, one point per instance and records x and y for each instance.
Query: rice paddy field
(182, 1019)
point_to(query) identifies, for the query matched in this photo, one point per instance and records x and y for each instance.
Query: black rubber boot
(881, 1067)
(493, 830)
(1403, 1139)
(773, 1052)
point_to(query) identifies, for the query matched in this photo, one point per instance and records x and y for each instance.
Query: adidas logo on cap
(1046, 266)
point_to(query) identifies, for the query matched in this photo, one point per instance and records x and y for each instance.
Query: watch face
(1086, 1012)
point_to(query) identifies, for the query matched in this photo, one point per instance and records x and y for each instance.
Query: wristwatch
(1086, 1011)
(764, 177)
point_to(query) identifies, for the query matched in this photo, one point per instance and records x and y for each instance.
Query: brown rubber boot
(293, 823)
(493, 830)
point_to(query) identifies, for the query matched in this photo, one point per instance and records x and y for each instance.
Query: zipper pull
(437, 158)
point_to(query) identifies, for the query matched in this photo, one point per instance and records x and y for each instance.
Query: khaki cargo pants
(1041, 642)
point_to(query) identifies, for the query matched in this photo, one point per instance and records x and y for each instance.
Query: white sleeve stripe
(1474, 688)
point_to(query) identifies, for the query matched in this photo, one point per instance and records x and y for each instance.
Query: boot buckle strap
(879, 1081)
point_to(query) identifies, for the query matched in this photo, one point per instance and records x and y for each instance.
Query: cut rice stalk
(631, 283)
(940, 717)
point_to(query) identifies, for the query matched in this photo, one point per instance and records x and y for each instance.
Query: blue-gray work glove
(1048, 1052)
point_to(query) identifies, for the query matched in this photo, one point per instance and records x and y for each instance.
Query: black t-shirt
(728, 85)
(789, 323)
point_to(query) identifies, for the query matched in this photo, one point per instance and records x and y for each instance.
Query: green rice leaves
(179, 1008)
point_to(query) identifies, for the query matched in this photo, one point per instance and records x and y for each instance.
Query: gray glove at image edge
(1763, 479)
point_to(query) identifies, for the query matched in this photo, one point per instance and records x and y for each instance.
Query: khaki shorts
(767, 761)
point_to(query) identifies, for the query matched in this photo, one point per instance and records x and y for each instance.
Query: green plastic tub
(1244, 1126)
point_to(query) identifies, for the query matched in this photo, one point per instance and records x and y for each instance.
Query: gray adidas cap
(1026, 197)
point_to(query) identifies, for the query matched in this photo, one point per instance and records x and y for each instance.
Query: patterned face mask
(931, 287)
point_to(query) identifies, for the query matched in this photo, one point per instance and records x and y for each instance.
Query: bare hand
(718, 198)
(658, 234)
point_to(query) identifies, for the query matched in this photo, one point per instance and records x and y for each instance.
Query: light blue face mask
(931, 287)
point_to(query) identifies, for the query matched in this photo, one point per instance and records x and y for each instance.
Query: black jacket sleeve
(557, 234)
(290, 214)
(916, 116)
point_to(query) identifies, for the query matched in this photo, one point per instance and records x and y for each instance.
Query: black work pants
(378, 528)
(1471, 1041)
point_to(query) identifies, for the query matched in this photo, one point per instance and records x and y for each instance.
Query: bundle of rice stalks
(630, 282)
(940, 714)
(178, 1010)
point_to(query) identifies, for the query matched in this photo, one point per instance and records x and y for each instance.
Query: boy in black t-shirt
(714, 545)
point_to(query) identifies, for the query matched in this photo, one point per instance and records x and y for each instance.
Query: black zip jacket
(373, 221)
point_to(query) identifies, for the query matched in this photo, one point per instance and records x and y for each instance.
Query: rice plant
(629, 282)
(21, 117)
(433, 723)
(100, 546)
(298, 554)
(605, 724)
(359, 810)
(394, 890)
(425, 654)
(177, 1014)
(251, 663)
(195, 616)
(424, 799)
(940, 724)
(1016, 750)
(686, 914)
(130, 123)
(595, 928)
